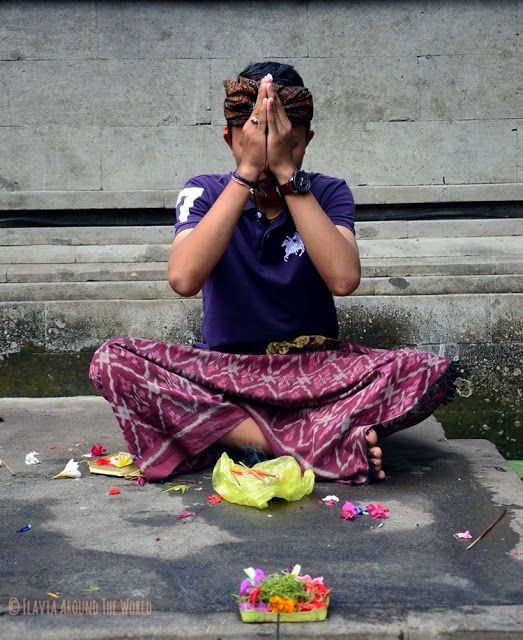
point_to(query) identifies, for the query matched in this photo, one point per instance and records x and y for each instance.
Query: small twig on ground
(484, 533)
(4, 463)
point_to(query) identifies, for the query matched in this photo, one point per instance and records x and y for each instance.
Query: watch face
(302, 182)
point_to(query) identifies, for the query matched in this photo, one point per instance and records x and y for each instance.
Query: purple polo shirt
(264, 287)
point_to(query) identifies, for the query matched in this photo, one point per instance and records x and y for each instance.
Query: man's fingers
(259, 111)
(271, 114)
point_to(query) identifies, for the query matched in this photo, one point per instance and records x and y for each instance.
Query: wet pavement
(174, 578)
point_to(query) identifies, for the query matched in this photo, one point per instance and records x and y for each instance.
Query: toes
(372, 437)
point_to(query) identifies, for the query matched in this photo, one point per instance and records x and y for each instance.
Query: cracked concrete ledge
(464, 623)
(159, 199)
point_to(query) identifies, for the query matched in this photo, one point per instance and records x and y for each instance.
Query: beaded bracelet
(252, 186)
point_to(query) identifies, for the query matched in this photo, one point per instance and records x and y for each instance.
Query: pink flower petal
(377, 511)
(184, 514)
(464, 535)
(348, 511)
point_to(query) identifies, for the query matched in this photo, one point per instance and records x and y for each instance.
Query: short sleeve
(192, 204)
(336, 199)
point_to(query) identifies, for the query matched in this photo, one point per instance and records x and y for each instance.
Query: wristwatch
(299, 182)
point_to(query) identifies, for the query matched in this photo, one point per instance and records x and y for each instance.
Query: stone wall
(115, 104)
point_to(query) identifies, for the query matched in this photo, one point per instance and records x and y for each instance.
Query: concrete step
(371, 268)
(159, 289)
(161, 234)
(384, 248)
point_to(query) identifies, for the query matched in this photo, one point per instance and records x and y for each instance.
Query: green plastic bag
(255, 486)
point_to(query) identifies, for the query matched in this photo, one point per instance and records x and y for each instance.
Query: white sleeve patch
(186, 198)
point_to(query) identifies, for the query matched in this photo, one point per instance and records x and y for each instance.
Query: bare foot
(375, 454)
(247, 434)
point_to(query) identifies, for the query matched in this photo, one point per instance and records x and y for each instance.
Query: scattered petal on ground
(70, 471)
(348, 511)
(463, 535)
(157, 538)
(184, 514)
(31, 458)
(114, 491)
(140, 481)
(330, 500)
(214, 498)
(53, 594)
(377, 511)
(98, 449)
(24, 528)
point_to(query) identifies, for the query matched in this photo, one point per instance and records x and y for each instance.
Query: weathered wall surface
(114, 104)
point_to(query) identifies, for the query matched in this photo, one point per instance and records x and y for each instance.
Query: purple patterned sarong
(173, 403)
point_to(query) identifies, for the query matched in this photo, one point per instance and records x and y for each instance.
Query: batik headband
(241, 97)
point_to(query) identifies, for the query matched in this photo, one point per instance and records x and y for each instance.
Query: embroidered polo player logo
(293, 246)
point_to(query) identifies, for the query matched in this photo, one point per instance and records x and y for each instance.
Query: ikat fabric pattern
(173, 402)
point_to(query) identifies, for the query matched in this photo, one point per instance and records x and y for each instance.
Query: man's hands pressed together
(267, 150)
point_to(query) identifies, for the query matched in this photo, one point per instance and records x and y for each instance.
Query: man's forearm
(335, 257)
(195, 256)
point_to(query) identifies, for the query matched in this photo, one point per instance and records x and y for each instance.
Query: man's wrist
(284, 175)
(249, 173)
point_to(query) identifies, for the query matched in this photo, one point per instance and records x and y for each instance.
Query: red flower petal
(98, 449)
(102, 461)
(184, 514)
(114, 491)
(214, 498)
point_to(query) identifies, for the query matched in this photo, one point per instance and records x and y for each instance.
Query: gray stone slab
(437, 266)
(500, 246)
(410, 320)
(166, 198)
(470, 86)
(434, 488)
(435, 285)
(159, 234)
(85, 324)
(464, 228)
(519, 174)
(201, 30)
(47, 30)
(411, 28)
(341, 92)
(460, 152)
(136, 286)
(123, 253)
(158, 157)
(86, 272)
(37, 254)
(381, 230)
(354, 92)
(49, 157)
(74, 92)
(462, 193)
(143, 290)
(22, 325)
(507, 318)
(3, 274)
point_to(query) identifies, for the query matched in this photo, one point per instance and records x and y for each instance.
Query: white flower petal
(31, 458)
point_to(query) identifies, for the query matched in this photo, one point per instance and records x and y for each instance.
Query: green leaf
(178, 487)
(517, 465)
(92, 588)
